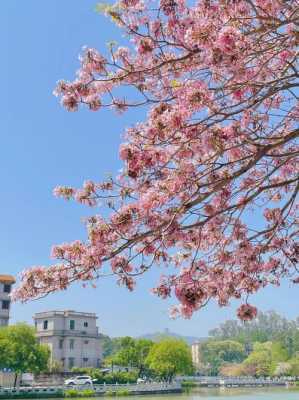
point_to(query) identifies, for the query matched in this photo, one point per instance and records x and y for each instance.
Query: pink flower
(247, 312)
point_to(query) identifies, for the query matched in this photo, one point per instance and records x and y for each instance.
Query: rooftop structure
(6, 282)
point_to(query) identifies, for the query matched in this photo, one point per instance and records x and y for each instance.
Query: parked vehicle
(79, 380)
(140, 380)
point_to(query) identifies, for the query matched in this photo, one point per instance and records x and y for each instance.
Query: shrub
(71, 393)
(87, 393)
(109, 393)
(123, 392)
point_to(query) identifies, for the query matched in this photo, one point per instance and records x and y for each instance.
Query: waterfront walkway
(216, 381)
(58, 391)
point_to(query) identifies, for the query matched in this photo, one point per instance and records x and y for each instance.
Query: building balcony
(4, 313)
(68, 332)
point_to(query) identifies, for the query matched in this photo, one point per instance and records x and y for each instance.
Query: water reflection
(227, 393)
(220, 394)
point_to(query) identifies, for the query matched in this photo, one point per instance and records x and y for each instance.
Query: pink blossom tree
(210, 177)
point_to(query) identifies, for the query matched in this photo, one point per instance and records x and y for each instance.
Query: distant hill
(155, 337)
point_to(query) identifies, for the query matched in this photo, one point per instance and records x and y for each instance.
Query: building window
(7, 288)
(45, 325)
(62, 361)
(85, 324)
(86, 341)
(85, 360)
(71, 362)
(61, 343)
(5, 304)
(72, 324)
(72, 344)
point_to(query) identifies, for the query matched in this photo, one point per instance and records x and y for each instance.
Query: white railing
(141, 387)
(242, 380)
(144, 387)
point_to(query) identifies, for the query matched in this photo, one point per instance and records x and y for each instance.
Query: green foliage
(294, 366)
(72, 393)
(122, 392)
(79, 393)
(119, 392)
(278, 338)
(109, 345)
(170, 357)
(22, 352)
(87, 393)
(132, 353)
(258, 364)
(216, 353)
(264, 359)
(266, 327)
(110, 10)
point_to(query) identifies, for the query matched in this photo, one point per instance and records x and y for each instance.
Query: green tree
(265, 358)
(109, 345)
(294, 366)
(170, 357)
(22, 352)
(133, 353)
(258, 364)
(268, 326)
(216, 353)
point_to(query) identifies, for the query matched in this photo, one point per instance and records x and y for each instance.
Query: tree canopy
(264, 359)
(217, 353)
(210, 176)
(20, 352)
(170, 357)
(132, 353)
(268, 326)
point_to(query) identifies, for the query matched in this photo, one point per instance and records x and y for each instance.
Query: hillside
(167, 333)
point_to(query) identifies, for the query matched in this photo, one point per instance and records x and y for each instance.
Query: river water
(226, 394)
(223, 394)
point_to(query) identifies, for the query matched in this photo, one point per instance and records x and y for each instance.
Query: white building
(72, 337)
(196, 357)
(6, 282)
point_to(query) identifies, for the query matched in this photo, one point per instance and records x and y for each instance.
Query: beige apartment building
(72, 337)
(6, 282)
(196, 358)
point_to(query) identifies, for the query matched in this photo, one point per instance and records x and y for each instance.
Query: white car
(79, 380)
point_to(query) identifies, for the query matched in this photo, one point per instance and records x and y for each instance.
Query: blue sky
(42, 145)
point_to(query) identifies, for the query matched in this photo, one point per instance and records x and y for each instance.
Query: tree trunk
(16, 380)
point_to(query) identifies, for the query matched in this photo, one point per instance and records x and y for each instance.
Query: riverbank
(95, 391)
(220, 393)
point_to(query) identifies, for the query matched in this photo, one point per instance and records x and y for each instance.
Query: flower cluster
(210, 180)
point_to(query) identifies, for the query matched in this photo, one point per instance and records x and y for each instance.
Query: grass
(79, 393)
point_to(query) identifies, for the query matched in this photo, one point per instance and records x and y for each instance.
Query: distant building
(196, 355)
(72, 337)
(6, 282)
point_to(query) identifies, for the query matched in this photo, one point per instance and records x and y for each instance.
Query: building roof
(7, 279)
(65, 313)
